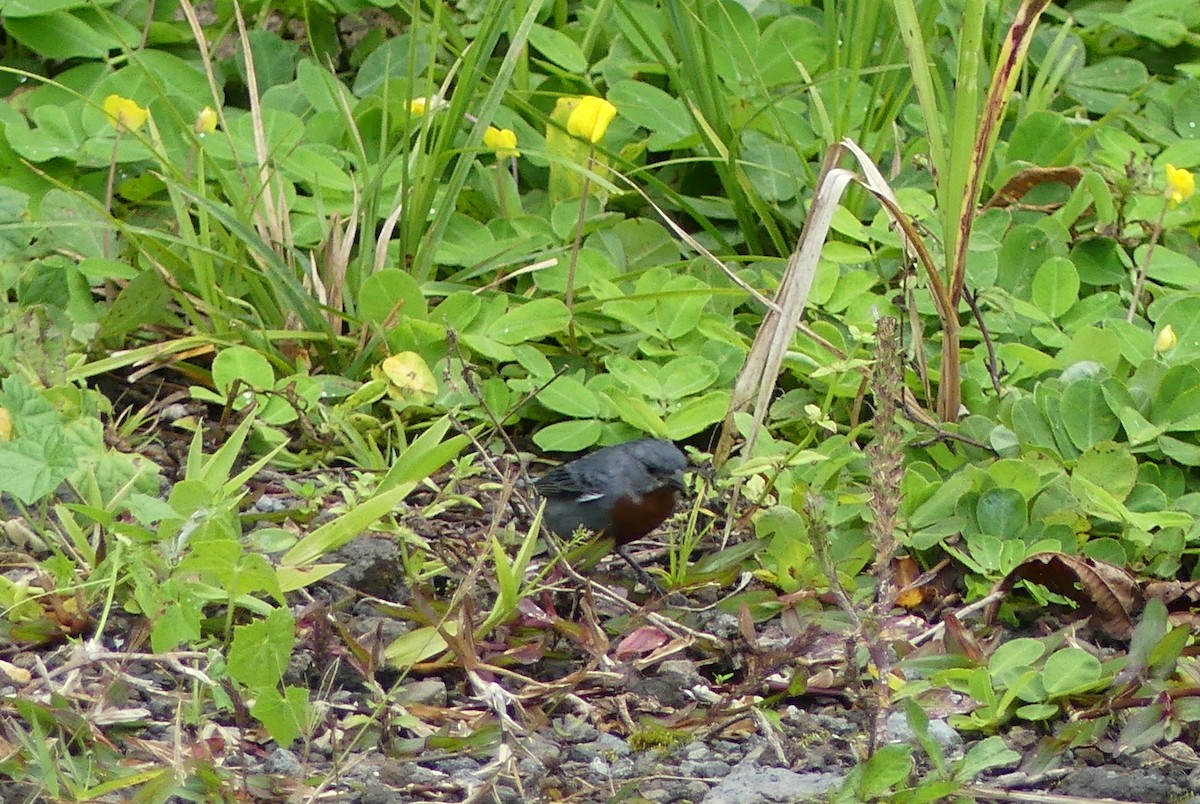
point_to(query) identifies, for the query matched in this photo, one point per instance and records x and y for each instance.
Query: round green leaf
(1043, 138)
(1016, 655)
(1001, 512)
(390, 293)
(1110, 466)
(244, 364)
(1055, 286)
(1100, 261)
(1070, 670)
(685, 376)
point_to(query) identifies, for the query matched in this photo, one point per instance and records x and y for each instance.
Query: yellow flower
(206, 121)
(124, 114)
(1166, 340)
(1181, 185)
(590, 118)
(501, 140)
(418, 106)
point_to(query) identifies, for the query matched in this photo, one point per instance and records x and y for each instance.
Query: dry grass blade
(774, 337)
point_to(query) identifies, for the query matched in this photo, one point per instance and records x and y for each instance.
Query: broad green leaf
(663, 115)
(286, 716)
(82, 33)
(991, 752)
(1001, 512)
(558, 48)
(1086, 415)
(639, 414)
(1015, 656)
(686, 376)
(390, 295)
(941, 503)
(1070, 670)
(697, 414)
(1041, 138)
(260, 651)
(530, 321)
(677, 315)
(572, 436)
(1110, 466)
(637, 375)
(570, 397)
(241, 369)
(1055, 286)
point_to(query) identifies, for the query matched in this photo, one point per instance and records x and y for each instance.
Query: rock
(897, 730)
(751, 784)
(427, 691)
(283, 762)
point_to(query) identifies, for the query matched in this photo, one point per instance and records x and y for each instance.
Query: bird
(622, 493)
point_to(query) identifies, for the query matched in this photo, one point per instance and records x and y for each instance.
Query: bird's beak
(675, 481)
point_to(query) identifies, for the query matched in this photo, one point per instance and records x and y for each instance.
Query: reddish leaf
(643, 640)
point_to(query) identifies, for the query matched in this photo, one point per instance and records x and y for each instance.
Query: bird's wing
(565, 481)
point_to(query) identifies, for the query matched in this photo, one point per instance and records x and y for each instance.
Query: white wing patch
(589, 497)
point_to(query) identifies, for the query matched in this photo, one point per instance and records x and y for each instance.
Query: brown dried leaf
(1107, 593)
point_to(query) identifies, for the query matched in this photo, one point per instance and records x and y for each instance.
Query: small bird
(620, 492)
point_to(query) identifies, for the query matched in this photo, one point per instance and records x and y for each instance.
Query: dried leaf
(1107, 593)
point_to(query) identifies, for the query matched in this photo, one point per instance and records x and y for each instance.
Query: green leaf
(686, 376)
(663, 115)
(418, 645)
(333, 535)
(889, 767)
(1001, 512)
(640, 375)
(1110, 466)
(696, 415)
(1086, 414)
(241, 370)
(1069, 671)
(39, 458)
(84, 33)
(991, 752)
(1055, 286)
(530, 322)
(390, 293)
(1015, 656)
(558, 48)
(286, 716)
(572, 436)
(639, 414)
(679, 315)
(1041, 138)
(260, 651)
(570, 397)
(941, 503)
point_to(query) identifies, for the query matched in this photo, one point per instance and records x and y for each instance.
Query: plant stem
(1140, 283)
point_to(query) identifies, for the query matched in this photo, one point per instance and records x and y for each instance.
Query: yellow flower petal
(418, 106)
(206, 121)
(1181, 185)
(124, 114)
(590, 118)
(501, 140)
(1166, 340)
